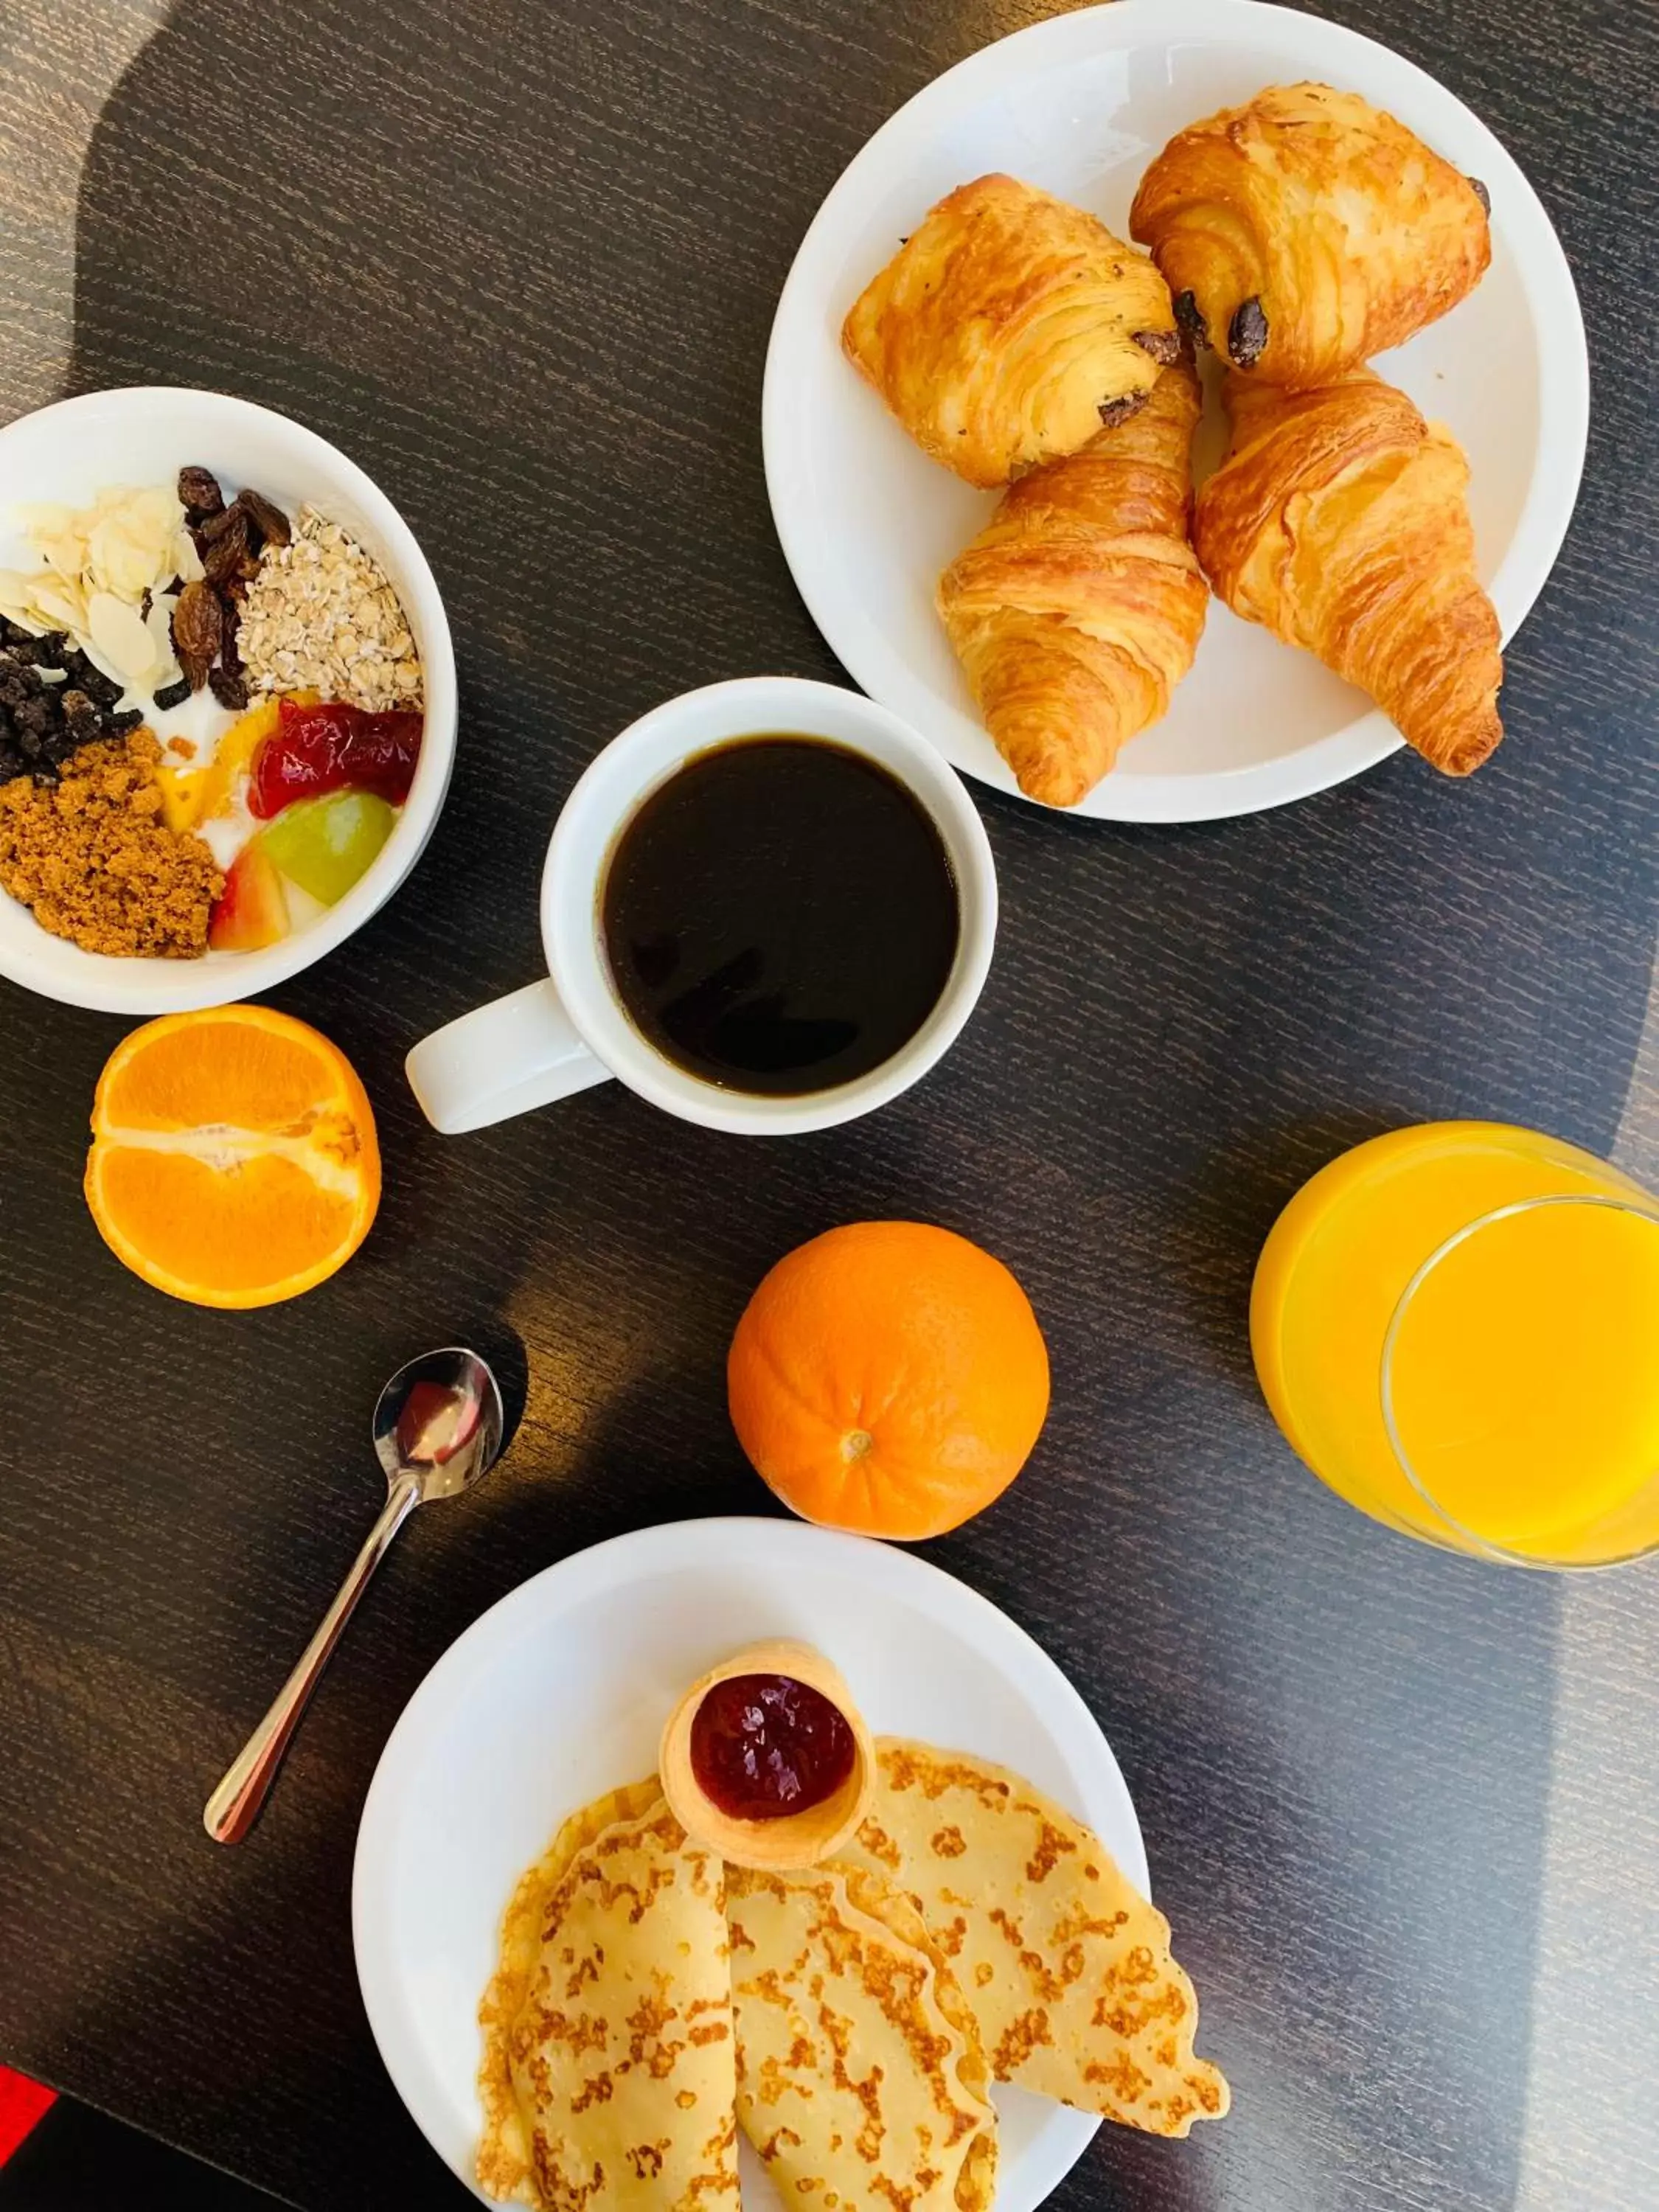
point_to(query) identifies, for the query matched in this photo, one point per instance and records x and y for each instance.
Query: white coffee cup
(570, 1029)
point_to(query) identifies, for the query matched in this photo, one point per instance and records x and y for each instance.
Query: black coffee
(780, 917)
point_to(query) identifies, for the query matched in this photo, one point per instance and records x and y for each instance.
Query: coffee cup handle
(501, 1059)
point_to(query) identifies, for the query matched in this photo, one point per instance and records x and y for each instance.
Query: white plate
(560, 1693)
(1080, 106)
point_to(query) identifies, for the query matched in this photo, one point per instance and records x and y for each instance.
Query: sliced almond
(120, 559)
(58, 604)
(121, 636)
(15, 596)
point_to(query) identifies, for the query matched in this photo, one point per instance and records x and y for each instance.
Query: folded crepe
(609, 2078)
(861, 2080)
(1066, 1965)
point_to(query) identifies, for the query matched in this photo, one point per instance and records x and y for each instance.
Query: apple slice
(324, 844)
(251, 911)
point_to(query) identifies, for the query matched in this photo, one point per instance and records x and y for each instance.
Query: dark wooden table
(521, 260)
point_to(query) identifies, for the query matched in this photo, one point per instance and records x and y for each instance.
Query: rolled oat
(320, 616)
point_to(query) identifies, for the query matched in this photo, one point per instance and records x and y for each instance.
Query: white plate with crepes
(560, 1693)
(1080, 106)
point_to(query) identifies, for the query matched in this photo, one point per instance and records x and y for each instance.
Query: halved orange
(233, 1158)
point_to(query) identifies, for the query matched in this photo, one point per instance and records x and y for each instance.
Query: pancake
(608, 2075)
(504, 2149)
(861, 2080)
(1066, 1966)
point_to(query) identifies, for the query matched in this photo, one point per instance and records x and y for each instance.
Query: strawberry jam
(334, 747)
(765, 1745)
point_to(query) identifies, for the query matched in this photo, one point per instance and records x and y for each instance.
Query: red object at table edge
(22, 2104)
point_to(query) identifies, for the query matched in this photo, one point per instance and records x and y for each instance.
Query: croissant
(1077, 610)
(1308, 230)
(1008, 327)
(1338, 518)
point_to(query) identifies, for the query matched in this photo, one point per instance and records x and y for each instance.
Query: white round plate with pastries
(560, 1691)
(1079, 106)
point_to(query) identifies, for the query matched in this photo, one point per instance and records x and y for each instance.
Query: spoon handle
(235, 1805)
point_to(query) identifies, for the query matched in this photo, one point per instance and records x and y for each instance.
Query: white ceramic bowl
(1079, 105)
(145, 435)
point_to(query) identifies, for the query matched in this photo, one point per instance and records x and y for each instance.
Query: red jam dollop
(334, 747)
(763, 1746)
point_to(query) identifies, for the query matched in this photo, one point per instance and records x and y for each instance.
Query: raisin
(226, 553)
(1114, 411)
(199, 494)
(1164, 346)
(1481, 194)
(197, 627)
(173, 695)
(266, 515)
(215, 527)
(1247, 334)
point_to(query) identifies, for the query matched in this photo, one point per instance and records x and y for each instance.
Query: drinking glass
(1456, 1326)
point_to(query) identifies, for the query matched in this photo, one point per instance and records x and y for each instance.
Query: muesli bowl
(144, 436)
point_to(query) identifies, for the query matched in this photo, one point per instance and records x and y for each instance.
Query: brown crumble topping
(95, 862)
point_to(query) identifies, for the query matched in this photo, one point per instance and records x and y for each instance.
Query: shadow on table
(1229, 1209)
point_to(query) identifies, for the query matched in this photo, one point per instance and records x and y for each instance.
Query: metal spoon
(438, 1428)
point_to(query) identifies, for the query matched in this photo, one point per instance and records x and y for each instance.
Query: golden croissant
(1308, 230)
(1339, 519)
(1077, 610)
(1008, 327)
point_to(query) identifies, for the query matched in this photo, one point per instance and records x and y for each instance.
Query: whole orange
(889, 1377)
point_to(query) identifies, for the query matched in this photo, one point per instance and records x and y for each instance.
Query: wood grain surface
(519, 259)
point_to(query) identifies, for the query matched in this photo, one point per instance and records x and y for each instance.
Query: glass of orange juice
(1456, 1326)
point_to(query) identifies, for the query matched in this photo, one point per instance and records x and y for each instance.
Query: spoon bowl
(438, 1422)
(437, 1430)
